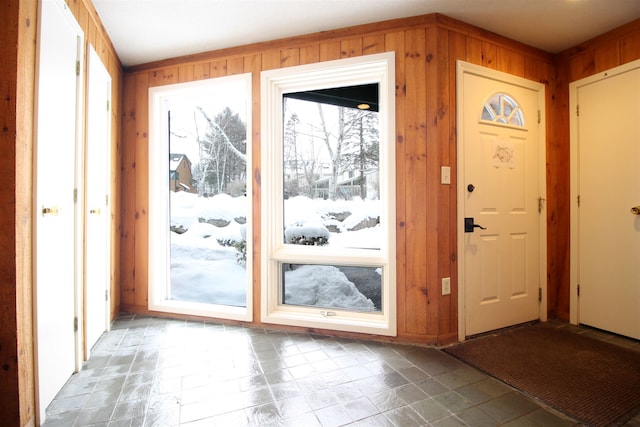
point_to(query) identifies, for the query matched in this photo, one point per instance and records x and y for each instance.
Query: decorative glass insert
(503, 109)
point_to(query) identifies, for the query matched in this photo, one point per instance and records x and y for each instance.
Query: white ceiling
(150, 30)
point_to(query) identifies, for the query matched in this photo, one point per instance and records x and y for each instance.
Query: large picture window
(328, 205)
(200, 198)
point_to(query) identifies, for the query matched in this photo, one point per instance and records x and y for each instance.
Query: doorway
(605, 195)
(501, 195)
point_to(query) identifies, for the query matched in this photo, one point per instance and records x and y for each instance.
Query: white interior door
(97, 234)
(60, 41)
(500, 199)
(606, 141)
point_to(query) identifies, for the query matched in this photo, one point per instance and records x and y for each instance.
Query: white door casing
(58, 128)
(501, 185)
(96, 213)
(605, 186)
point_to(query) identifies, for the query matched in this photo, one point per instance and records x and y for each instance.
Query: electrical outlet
(446, 285)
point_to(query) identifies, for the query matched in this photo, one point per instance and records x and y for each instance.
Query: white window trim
(378, 68)
(159, 235)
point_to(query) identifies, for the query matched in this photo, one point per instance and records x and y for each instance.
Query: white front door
(60, 41)
(97, 237)
(606, 149)
(501, 195)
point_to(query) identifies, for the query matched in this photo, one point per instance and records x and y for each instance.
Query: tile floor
(159, 372)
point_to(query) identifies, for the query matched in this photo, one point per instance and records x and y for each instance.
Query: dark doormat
(592, 381)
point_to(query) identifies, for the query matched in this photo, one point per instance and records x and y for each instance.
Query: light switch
(445, 175)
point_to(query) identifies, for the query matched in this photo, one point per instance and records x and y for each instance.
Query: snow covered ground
(203, 270)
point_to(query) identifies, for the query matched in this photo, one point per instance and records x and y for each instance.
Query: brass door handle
(635, 210)
(95, 211)
(53, 210)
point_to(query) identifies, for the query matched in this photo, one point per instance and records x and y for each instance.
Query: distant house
(180, 173)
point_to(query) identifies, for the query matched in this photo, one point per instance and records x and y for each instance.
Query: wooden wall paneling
(473, 52)
(443, 116)
(141, 220)
(582, 65)
(289, 57)
(330, 50)
(253, 65)
(351, 47)
(489, 55)
(116, 185)
(218, 68)
(414, 166)
(395, 42)
(510, 61)
(186, 73)
(163, 77)
(128, 192)
(200, 71)
(457, 50)
(435, 86)
(607, 56)
(373, 44)
(630, 47)
(235, 65)
(309, 54)
(270, 59)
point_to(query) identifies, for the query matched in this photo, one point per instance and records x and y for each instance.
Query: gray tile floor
(159, 372)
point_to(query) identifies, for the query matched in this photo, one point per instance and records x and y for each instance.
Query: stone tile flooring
(159, 372)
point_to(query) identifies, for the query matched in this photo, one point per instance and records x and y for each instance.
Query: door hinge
(75, 195)
(539, 117)
(75, 324)
(106, 295)
(541, 204)
(107, 105)
(77, 68)
(578, 110)
(106, 200)
(539, 294)
(578, 200)
(578, 289)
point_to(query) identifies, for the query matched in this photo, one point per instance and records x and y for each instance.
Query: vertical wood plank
(253, 64)
(289, 57)
(510, 61)
(329, 51)
(350, 48)
(607, 56)
(630, 48)
(200, 71)
(128, 191)
(474, 50)
(141, 177)
(457, 50)
(373, 44)
(270, 59)
(218, 68)
(395, 42)
(582, 65)
(415, 170)
(309, 54)
(235, 65)
(186, 73)
(489, 54)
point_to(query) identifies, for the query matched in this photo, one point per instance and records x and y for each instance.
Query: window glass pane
(331, 168)
(208, 205)
(332, 287)
(502, 108)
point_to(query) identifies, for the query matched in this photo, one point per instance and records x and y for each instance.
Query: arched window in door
(502, 109)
